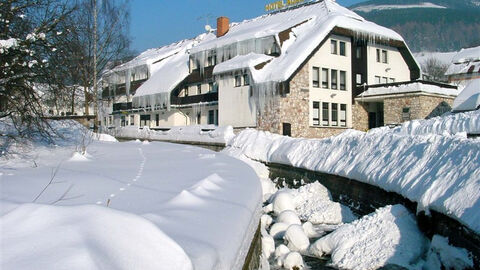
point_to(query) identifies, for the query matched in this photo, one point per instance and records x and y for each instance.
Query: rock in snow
(388, 236)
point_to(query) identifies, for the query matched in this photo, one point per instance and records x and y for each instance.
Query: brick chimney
(223, 25)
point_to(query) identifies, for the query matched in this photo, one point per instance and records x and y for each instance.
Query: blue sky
(155, 23)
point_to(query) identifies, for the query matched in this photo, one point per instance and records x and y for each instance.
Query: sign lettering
(278, 5)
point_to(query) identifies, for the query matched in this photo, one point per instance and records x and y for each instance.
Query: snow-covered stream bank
(126, 205)
(430, 162)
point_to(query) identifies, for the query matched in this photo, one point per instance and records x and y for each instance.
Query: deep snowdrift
(439, 172)
(126, 206)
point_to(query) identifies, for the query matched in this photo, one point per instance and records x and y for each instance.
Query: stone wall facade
(420, 107)
(359, 116)
(293, 108)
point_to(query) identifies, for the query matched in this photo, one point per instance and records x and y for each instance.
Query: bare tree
(435, 69)
(97, 36)
(27, 29)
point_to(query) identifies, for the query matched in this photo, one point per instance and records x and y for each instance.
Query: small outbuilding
(394, 103)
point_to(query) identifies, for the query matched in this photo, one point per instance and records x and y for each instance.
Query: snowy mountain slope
(427, 27)
(368, 8)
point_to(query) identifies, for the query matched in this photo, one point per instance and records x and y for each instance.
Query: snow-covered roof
(306, 26)
(151, 56)
(168, 73)
(469, 98)
(412, 87)
(465, 61)
(241, 61)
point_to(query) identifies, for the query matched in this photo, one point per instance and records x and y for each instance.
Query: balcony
(121, 107)
(120, 89)
(209, 97)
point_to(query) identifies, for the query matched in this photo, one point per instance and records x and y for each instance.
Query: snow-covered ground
(194, 133)
(126, 205)
(428, 161)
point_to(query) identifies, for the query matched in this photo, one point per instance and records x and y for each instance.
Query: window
(384, 80)
(144, 120)
(210, 87)
(406, 114)
(216, 117)
(392, 80)
(324, 78)
(211, 117)
(343, 50)
(358, 79)
(316, 113)
(157, 119)
(358, 52)
(343, 115)
(343, 80)
(185, 91)
(122, 121)
(378, 79)
(315, 77)
(199, 89)
(384, 56)
(378, 56)
(199, 118)
(132, 120)
(325, 115)
(334, 114)
(211, 60)
(334, 78)
(246, 79)
(333, 46)
(238, 81)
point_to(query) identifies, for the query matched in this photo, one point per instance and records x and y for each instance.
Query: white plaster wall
(396, 67)
(235, 107)
(323, 58)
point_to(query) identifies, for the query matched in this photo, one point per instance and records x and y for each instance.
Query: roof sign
(283, 4)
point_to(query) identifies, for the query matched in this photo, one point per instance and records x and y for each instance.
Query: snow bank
(158, 206)
(439, 172)
(85, 237)
(197, 133)
(388, 236)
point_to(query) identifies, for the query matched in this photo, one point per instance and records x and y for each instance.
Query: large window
(358, 79)
(324, 78)
(358, 52)
(211, 117)
(316, 77)
(333, 45)
(384, 56)
(325, 115)
(343, 50)
(246, 79)
(333, 74)
(316, 113)
(334, 114)
(343, 80)
(210, 87)
(238, 81)
(343, 115)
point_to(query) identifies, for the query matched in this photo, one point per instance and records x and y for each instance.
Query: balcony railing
(209, 97)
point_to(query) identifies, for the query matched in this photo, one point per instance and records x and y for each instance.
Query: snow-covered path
(195, 201)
